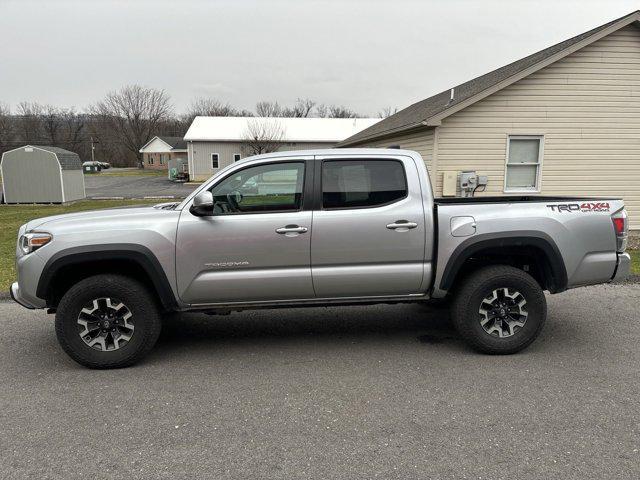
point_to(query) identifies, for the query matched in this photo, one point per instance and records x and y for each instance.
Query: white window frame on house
(538, 164)
(237, 157)
(150, 159)
(162, 159)
(217, 161)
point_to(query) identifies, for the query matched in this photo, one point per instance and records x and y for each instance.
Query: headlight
(33, 241)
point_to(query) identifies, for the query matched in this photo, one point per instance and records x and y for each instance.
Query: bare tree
(29, 122)
(334, 111)
(51, 125)
(387, 112)
(301, 109)
(211, 107)
(6, 127)
(338, 111)
(268, 109)
(263, 135)
(322, 111)
(73, 129)
(133, 115)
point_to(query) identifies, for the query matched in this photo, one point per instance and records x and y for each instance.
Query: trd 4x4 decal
(580, 207)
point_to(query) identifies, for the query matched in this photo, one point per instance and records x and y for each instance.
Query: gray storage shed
(39, 174)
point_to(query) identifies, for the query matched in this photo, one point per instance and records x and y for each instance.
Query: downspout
(434, 161)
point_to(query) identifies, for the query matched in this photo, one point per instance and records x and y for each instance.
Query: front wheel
(499, 310)
(107, 321)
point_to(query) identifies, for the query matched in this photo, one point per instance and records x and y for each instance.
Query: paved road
(371, 392)
(105, 185)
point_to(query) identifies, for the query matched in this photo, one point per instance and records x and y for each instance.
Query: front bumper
(623, 268)
(15, 294)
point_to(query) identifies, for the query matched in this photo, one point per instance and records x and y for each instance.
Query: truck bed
(578, 230)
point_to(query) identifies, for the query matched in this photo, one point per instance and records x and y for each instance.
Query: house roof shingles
(415, 114)
(177, 143)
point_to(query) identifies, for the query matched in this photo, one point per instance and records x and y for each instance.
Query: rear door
(368, 234)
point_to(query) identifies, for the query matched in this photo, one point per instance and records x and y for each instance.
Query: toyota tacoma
(308, 228)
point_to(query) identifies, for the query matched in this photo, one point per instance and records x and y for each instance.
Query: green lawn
(635, 262)
(12, 216)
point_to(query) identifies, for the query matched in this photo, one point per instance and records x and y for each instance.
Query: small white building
(41, 174)
(158, 152)
(215, 142)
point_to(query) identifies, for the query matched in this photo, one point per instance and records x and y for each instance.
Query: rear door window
(362, 183)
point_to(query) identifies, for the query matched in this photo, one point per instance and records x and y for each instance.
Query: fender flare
(520, 238)
(138, 254)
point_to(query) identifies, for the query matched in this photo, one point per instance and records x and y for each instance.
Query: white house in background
(215, 142)
(158, 152)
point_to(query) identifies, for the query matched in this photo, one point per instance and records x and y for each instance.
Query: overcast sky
(366, 54)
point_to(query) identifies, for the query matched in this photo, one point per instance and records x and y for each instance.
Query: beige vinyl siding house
(572, 114)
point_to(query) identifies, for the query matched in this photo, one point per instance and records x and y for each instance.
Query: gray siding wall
(31, 177)
(200, 155)
(73, 182)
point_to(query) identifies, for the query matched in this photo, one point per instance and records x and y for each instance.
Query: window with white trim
(524, 159)
(215, 160)
(236, 157)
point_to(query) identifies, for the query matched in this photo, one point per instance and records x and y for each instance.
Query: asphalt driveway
(137, 186)
(368, 392)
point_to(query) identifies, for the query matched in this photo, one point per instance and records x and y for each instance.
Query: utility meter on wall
(470, 181)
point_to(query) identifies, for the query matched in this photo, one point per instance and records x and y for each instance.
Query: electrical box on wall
(470, 181)
(449, 183)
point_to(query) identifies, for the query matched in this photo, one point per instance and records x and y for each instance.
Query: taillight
(621, 228)
(618, 224)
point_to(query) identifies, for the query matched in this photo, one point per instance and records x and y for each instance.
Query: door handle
(402, 225)
(291, 229)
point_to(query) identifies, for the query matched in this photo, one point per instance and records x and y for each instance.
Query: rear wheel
(499, 310)
(107, 321)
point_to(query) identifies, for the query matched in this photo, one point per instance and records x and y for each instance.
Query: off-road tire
(139, 301)
(469, 297)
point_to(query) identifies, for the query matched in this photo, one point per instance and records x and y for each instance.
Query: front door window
(261, 189)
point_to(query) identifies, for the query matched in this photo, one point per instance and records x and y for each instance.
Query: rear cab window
(362, 183)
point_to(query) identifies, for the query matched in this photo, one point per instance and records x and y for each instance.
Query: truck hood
(91, 218)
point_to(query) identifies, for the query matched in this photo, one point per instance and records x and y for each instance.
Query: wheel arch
(502, 247)
(71, 265)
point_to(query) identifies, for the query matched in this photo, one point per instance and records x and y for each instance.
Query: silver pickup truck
(305, 228)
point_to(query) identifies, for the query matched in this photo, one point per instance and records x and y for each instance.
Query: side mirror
(202, 204)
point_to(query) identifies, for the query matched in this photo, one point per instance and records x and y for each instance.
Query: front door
(369, 230)
(256, 246)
